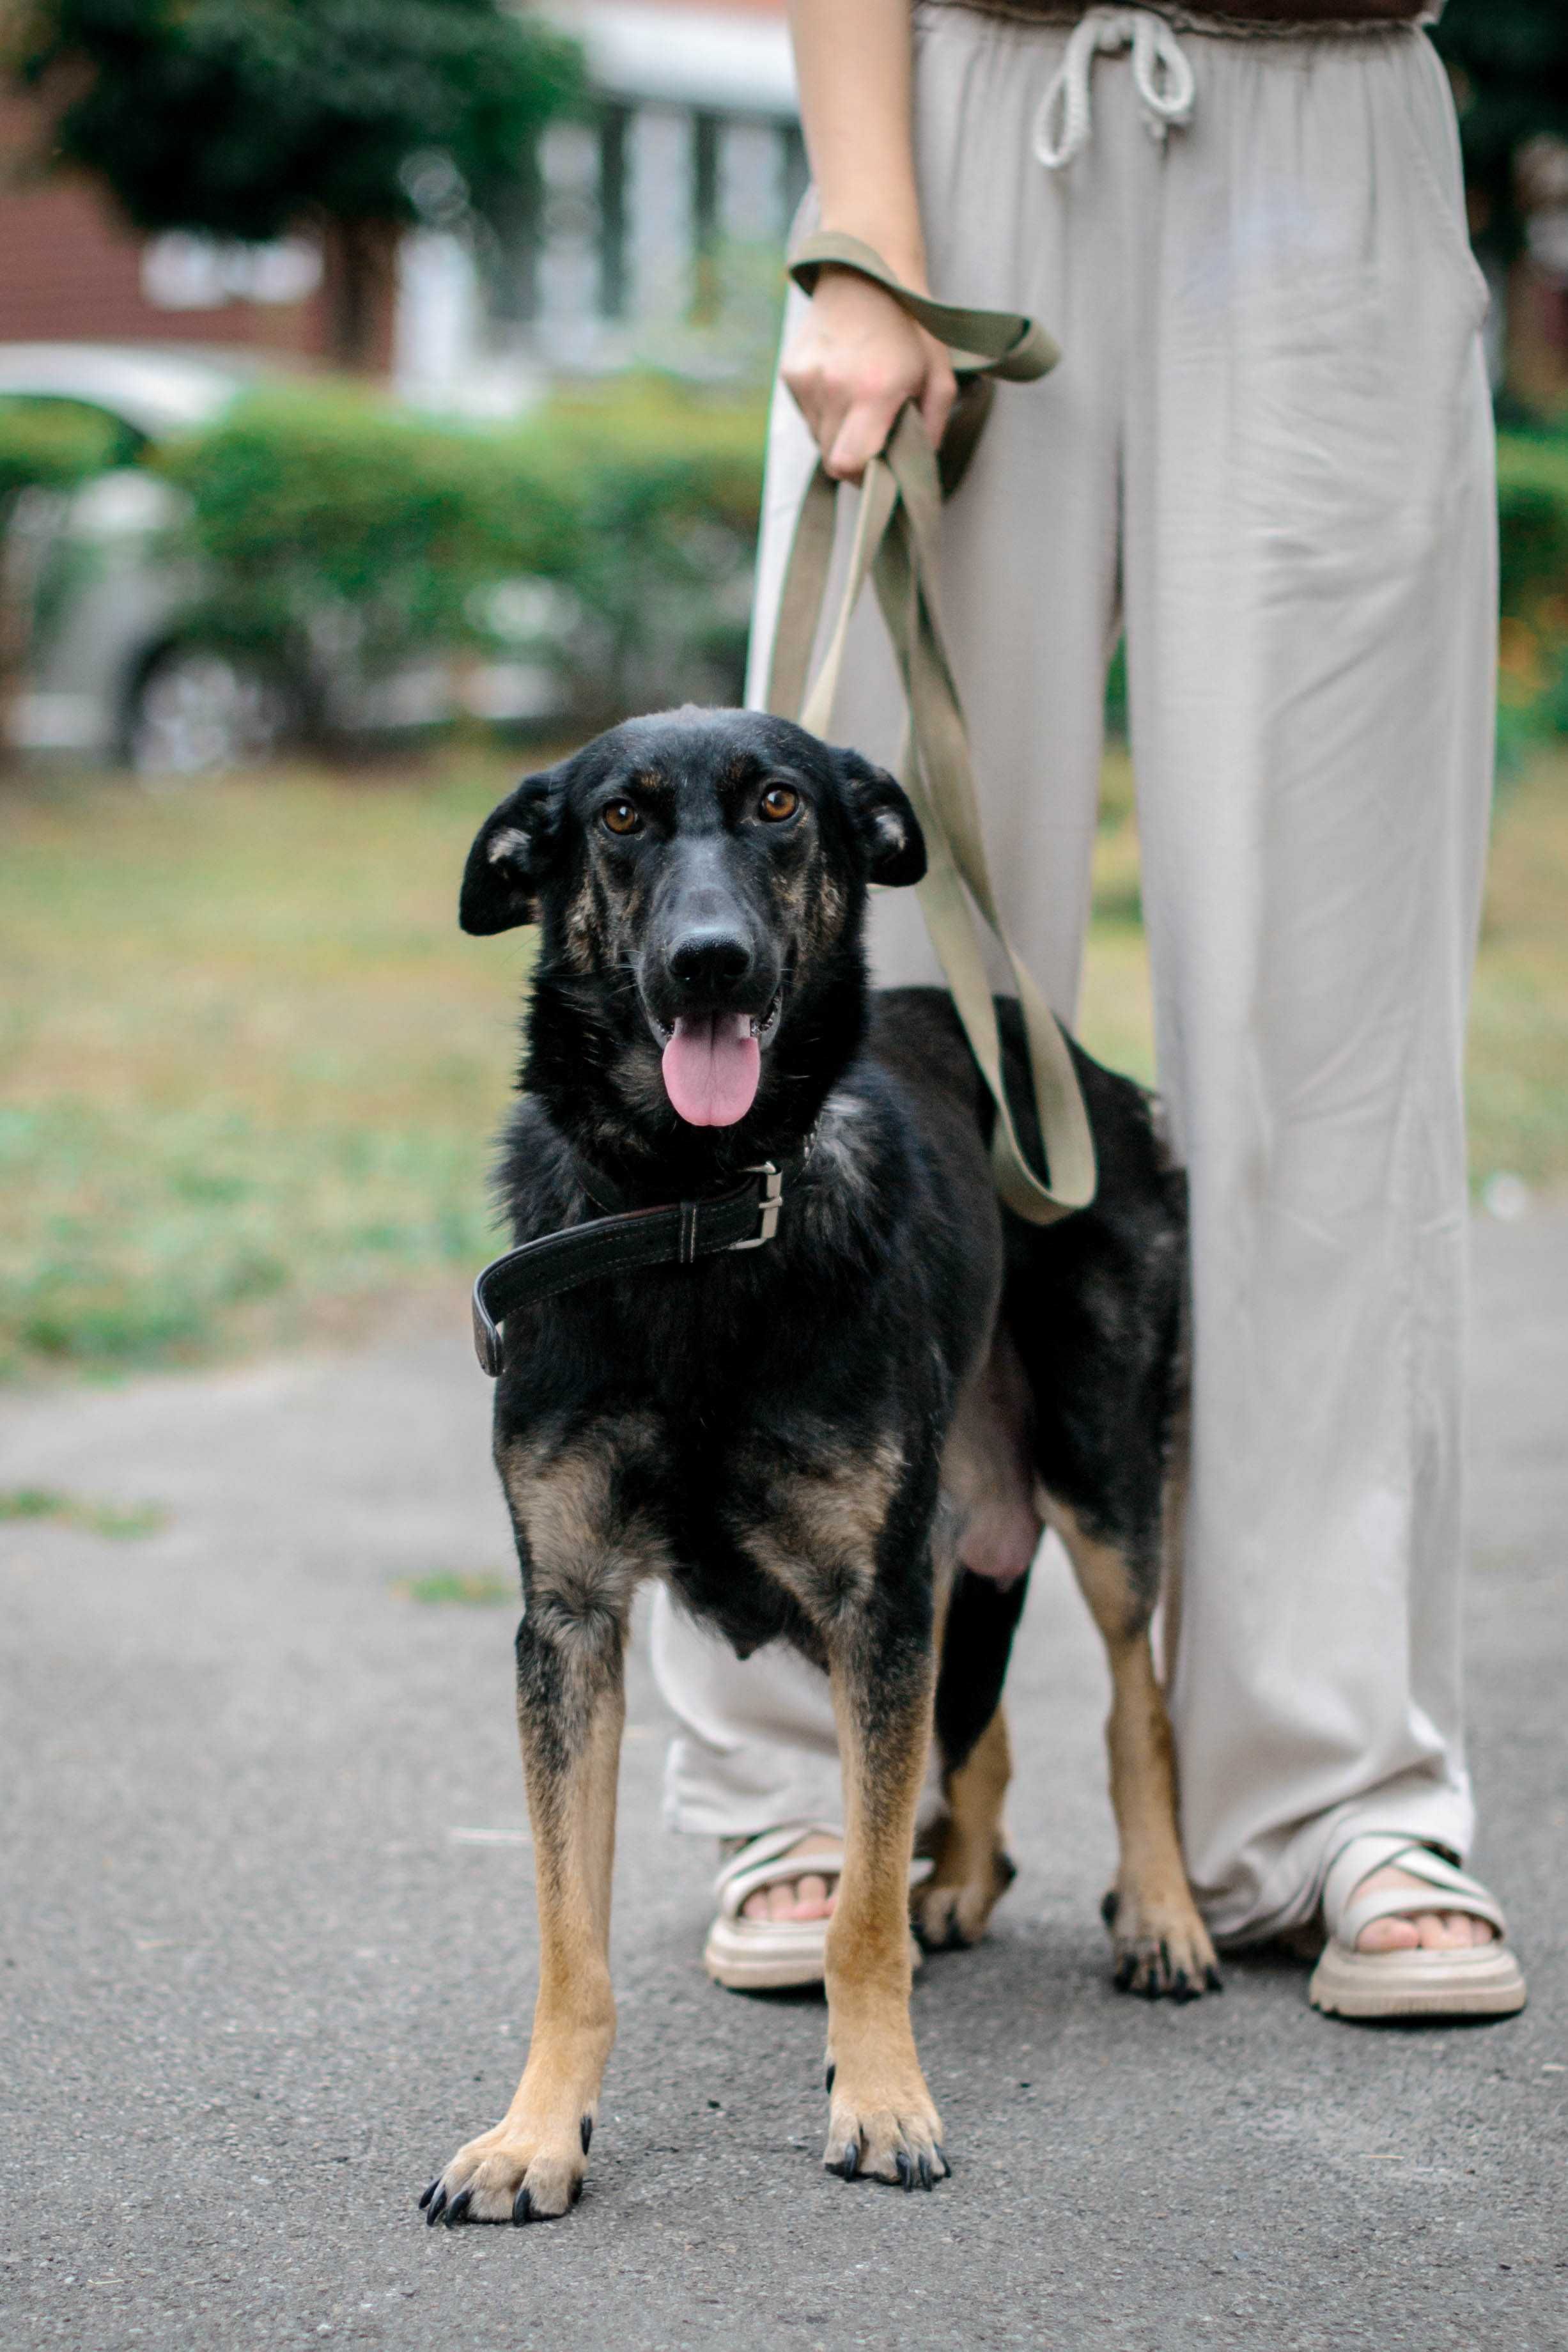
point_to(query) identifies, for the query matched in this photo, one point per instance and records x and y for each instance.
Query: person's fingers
(861, 436)
(936, 400)
(805, 387)
(826, 402)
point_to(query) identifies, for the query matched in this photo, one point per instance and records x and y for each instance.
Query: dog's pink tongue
(711, 1067)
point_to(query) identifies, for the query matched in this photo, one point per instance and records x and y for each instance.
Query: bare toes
(1394, 1934)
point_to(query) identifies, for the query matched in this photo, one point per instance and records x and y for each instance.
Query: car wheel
(199, 709)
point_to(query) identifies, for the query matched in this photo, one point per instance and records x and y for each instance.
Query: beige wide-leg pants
(1267, 454)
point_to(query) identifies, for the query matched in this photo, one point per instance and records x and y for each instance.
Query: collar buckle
(770, 1200)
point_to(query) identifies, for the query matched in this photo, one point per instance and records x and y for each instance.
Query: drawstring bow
(1162, 77)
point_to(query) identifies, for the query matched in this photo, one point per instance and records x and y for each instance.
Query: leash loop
(894, 545)
(1162, 76)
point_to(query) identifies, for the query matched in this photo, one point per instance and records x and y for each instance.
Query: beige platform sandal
(1485, 1981)
(773, 1954)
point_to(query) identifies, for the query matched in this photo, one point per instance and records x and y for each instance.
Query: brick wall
(71, 271)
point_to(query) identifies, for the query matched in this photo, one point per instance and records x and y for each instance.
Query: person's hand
(854, 359)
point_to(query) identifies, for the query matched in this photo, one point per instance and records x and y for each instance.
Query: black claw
(1213, 1979)
(944, 2160)
(435, 2210)
(586, 2128)
(576, 2189)
(1182, 1987)
(458, 2210)
(522, 2206)
(829, 2077)
(1007, 1870)
(904, 2169)
(1126, 1969)
(849, 2164)
(430, 2193)
(926, 2176)
(1109, 1902)
(1148, 1985)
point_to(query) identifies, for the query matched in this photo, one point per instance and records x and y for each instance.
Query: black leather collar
(675, 1233)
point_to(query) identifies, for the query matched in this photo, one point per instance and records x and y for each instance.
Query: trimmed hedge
(51, 444)
(633, 510)
(1532, 518)
(1533, 515)
(609, 536)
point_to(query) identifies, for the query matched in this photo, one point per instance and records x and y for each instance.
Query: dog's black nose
(714, 957)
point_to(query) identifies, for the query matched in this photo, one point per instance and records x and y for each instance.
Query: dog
(822, 1438)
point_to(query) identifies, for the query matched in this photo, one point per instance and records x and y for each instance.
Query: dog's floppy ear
(888, 827)
(500, 881)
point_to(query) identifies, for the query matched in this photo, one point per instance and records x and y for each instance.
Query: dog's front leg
(571, 1709)
(881, 2122)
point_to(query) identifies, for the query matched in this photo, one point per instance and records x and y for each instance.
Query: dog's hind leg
(1160, 1943)
(988, 1527)
(881, 2121)
(972, 1869)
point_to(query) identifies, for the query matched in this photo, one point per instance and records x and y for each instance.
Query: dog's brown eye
(621, 816)
(778, 802)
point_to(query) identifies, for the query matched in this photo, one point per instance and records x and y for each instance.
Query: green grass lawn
(249, 1067)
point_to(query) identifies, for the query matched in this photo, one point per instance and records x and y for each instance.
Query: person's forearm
(852, 59)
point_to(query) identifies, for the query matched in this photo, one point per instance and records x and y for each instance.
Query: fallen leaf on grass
(119, 1522)
(447, 1587)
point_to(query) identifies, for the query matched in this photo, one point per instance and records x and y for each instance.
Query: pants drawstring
(1162, 76)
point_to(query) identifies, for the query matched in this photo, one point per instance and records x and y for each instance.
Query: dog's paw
(514, 2173)
(1160, 1948)
(952, 1912)
(892, 2134)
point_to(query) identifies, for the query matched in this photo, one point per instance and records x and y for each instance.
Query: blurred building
(652, 230)
(1535, 297)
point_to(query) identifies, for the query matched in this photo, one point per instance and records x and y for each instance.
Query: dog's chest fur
(762, 1429)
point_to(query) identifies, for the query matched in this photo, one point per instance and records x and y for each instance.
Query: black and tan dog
(807, 1440)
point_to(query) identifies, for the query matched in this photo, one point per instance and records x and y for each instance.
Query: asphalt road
(266, 1952)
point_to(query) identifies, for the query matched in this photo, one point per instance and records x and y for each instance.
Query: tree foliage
(240, 117)
(1510, 63)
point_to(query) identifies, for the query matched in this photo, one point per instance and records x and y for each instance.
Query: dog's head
(700, 881)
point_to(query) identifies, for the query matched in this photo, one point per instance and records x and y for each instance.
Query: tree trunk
(360, 292)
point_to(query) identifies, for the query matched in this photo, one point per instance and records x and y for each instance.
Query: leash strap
(979, 342)
(676, 1232)
(897, 529)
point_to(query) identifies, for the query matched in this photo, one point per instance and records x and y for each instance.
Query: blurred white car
(114, 670)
